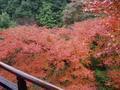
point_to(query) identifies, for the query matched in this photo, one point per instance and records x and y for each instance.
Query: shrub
(5, 21)
(47, 53)
(105, 56)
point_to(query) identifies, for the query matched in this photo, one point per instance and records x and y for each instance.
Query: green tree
(45, 12)
(3, 5)
(50, 13)
(5, 21)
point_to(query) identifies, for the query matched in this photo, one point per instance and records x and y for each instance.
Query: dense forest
(74, 44)
(50, 13)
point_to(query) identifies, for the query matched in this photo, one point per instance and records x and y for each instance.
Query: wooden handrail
(24, 76)
(7, 84)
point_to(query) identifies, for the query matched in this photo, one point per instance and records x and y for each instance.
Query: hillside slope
(63, 55)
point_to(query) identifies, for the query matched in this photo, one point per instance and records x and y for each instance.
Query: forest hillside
(76, 53)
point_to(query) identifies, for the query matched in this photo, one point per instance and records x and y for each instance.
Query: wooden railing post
(22, 77)
(21, 83)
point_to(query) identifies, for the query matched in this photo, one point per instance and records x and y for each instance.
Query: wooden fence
(22, 77)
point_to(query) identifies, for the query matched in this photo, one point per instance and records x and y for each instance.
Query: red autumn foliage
(59, 55)
(109, 7)
(56, 55)
(115, 75)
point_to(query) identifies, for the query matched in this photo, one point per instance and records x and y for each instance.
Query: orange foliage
(115, 75)
(109, 7)
(56, 55)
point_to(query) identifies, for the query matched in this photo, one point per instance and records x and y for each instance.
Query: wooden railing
(22, 77)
